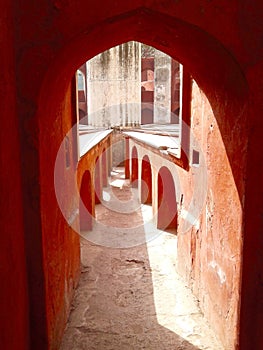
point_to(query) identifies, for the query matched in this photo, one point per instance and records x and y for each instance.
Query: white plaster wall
(114, 86)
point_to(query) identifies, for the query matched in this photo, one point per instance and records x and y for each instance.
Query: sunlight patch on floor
(176, 308)
(118, 183)
(106, 196)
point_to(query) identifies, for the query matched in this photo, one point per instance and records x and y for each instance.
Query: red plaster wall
(127, 158)
(85, 206)
(251, 317)
(146, 181)
(209, 254)
(14, 314)
(88, 163)
(61, 250)
(134, 167)
(220, 44)
(167, 205)
(104, 168)
(98, 183)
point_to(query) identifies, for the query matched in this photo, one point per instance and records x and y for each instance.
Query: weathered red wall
(209, 239)
(251, 316)
(134, 167)
(209, 253)
(14, 314)
(61, 249)
(88, 162)
(127, 158)
(93, 183)
(85, 205)
(98, 182)
(219, 42)
(146, 178)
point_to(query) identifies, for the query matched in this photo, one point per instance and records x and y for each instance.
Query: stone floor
(130, 296)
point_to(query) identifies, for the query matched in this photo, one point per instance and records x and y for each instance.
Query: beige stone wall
(114, 86)
(162, 88)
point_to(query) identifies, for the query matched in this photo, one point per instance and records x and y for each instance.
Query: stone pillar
(127, 158)
(162, 89)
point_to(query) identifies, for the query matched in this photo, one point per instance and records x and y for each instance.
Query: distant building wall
(147, 90)
(113, 79)
(82, 93)
(162, 88)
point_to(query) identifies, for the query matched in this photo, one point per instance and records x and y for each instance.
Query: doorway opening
(122, 217)
(167, 204)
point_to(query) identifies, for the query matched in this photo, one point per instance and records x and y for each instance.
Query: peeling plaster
(221, 274)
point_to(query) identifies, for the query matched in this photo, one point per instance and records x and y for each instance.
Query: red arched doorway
(167, 206)
(177, 34)
(146, 183)
(85, 205)
(134, 167)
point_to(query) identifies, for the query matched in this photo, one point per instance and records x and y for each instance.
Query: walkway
(130, 297)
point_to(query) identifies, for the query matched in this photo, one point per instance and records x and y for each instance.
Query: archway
(85, 206)
(146, 183)
(167, 205)
(134, 170)
(180, 39)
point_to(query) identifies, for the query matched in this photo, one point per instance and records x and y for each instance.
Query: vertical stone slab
(162, 90)
(114, 93)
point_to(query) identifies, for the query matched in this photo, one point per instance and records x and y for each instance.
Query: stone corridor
(129, 295)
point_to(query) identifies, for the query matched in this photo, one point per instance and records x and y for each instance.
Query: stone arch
(182, 42)
(85, 204)
(146, 181)
(134, 167)
(57, 58)
(167, 205)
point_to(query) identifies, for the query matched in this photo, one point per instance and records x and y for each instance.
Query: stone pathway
(130, 296)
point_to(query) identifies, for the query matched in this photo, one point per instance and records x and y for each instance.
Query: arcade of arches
(220, 254)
